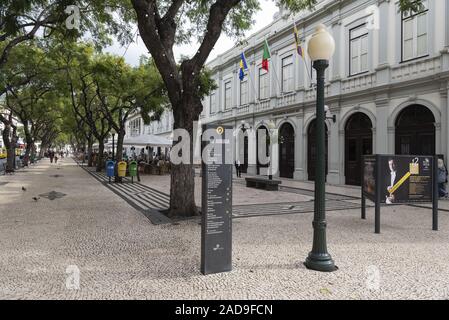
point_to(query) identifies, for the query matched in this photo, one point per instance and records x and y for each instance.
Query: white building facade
(387, 85)
(153, 139)
(1, 136)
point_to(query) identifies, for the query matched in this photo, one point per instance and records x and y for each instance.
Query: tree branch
(217, 16)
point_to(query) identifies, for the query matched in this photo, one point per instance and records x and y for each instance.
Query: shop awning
(148, 140)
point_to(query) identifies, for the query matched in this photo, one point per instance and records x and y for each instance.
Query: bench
(263, 183)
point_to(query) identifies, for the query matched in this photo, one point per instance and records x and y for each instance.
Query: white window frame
(414, 17)
(213, 103)
(357, 41)
(244, 98)
(135, 126)
(264, 86)
(288, 84)
(228, 99)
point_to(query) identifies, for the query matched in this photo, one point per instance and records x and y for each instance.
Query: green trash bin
(133, 170)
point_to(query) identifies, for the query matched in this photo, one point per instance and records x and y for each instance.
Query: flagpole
(274, 71)
(302, 55)
(256, 98)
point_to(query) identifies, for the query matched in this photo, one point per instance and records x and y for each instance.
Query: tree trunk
(89, 152)
(28, 149)
(100, 155)
(33, 153)
(10, 141)
(10, 158)
(42, 150)
(182, 180)
(119, 153)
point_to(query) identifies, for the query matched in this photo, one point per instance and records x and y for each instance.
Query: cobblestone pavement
(121, 255)
(151, 201)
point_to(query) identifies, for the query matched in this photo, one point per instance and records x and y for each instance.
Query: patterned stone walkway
(141, 197)
(244, 211)
(91, 244)
(151, 201)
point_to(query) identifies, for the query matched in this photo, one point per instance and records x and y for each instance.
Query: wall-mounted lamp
(329, 116)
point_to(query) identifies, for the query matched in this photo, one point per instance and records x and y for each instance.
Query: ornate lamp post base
(320, 262)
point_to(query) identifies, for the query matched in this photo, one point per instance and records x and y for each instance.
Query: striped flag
(243, 66)
(297, 42)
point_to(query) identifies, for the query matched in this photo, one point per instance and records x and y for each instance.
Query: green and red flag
(266, 56)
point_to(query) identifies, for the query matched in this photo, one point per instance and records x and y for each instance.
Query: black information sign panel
(216, 200)
(399, 179)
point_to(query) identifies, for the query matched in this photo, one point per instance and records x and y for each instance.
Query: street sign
(216, 201)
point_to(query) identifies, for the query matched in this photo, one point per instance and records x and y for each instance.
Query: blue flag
(243, 66)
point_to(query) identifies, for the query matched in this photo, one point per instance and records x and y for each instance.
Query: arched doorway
(244, 152)
(286, 151)
(358, 142)
(260, 162)
(311, 150)
(415, 131)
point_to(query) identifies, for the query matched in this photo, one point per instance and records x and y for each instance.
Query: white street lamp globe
(321, 45)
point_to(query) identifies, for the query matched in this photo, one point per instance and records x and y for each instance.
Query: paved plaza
(77, 222)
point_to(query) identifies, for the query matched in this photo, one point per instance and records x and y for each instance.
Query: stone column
(235, 150)
(300, 69)
(274, 153)
(383, 132)
(446, 17)
(252, 80)
(252, 149)
(299, 146)
(334, 148)
(235, 88)
(274, 75)
(444, 92)
(220, 92)
(446, 119)
(337, 60)
(383, 68)
(445, 51)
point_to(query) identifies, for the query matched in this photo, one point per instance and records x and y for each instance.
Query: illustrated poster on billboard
(405, 179)
(369, 177)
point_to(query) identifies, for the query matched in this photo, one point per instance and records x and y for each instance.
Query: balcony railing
(310, 94)
(262, 105)
(287, 99)
(243, 109)
(416, 68)
(364, 81)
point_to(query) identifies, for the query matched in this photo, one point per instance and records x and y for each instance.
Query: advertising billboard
(406, 179)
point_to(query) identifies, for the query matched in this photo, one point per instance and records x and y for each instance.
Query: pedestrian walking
(51, 154)
(238, 168)
(442, 179)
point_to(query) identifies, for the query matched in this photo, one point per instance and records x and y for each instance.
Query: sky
(132, 54)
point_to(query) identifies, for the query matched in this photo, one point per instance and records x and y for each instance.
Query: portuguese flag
(266, 56)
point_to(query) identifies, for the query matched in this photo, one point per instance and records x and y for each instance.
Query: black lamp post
(320, 48)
